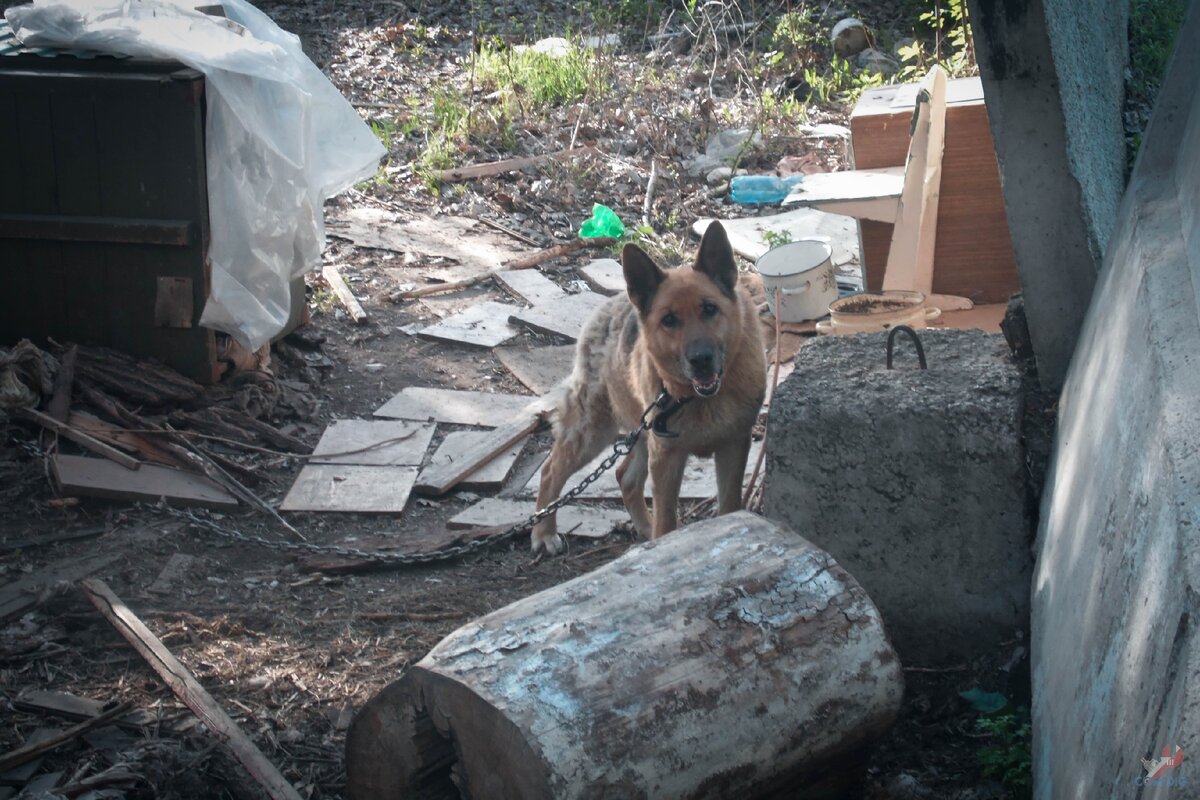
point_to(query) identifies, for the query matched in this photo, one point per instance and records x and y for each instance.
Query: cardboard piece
(347, 435)
(454, 406)
(342, 487)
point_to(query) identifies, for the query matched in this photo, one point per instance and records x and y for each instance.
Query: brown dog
(690, 331)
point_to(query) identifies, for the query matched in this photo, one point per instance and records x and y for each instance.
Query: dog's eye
(709, 309)
(669, 320)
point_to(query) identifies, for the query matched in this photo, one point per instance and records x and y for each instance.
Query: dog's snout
(701, 358)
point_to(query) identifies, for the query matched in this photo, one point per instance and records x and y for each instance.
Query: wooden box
(104, 212)
(973, 257)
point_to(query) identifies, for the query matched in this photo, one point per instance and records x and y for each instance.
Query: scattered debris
(29, 591)
(506, 165)
(32, 750)
(79, 437)
(849, 37)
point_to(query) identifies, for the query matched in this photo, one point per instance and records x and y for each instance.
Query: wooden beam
(188, 689)
(61, 228)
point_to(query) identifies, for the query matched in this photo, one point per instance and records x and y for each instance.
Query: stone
(912, 479)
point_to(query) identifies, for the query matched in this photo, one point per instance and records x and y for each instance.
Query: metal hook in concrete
(891, 342)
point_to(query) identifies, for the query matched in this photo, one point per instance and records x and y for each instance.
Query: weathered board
(99, 477)
(605, 276)
(562, 317)
(440, 478)
(455, 406)
(345, 487)
(381, 443)
(529, 285)
(731, 658)
(459, 445)
(484, 324)
(539, 368)
(575, 519)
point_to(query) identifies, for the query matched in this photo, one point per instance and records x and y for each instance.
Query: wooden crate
(104, 215)
(974, 256)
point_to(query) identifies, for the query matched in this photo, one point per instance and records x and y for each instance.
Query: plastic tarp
(280, 139)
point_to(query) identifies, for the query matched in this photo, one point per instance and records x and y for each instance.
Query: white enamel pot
(803, 273)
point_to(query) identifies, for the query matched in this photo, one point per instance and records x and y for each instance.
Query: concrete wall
(1116, 658)
(1053, 77)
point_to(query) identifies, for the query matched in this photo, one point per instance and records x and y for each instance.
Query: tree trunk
(730, 657)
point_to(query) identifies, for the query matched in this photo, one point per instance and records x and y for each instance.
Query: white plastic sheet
(280, 139)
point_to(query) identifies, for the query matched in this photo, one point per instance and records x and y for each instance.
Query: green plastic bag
(603, 224)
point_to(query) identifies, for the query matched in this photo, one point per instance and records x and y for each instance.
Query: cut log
(729, 658)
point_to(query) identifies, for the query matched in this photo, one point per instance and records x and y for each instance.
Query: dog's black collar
(667, 406)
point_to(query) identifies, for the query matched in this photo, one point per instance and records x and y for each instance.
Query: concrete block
(913, 479)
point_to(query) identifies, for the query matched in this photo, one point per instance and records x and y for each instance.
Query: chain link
(621, 448)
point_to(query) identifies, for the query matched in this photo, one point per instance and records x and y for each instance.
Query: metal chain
(621, 448)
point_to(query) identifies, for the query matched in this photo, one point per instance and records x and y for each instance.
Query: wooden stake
(505, 165)
(334, 278)
(188, 689)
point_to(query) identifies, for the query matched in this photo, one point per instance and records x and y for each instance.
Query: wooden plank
(484, 324)
(576, 520)
(51, 538)
(564, 318)
(22, 594)
(910, 256)
(349, 487)
(454, 406)
(539, 368)
(120, 438)
(19, 776)
(457, 238)
(380, 443)
(116, 230)
(71, 706)
(333, 277)
(529, 285)
(438, 480)
(605, 276)
(96, 477)
(459, 445)
(79, 437)
(188, 689)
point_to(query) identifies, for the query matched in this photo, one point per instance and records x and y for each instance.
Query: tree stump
(731, 656)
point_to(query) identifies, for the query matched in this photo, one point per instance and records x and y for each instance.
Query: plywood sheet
(484, 324)
(539, 368)
(562, 317)
(460, 444)
(382, 443)
(345, 487)
(454, 406)
(99, 477)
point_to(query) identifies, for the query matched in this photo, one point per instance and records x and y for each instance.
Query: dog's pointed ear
(715, 258)
(642, 276)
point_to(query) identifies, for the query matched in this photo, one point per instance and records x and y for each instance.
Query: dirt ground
(289, 653)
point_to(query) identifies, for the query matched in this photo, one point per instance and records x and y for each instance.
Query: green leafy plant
(776, 238)
(1006, 756)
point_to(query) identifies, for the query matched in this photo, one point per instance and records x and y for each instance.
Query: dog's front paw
(551, 543)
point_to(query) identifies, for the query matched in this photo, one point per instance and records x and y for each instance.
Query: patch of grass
(1007, 755)
(1153, 26)
(539, 79)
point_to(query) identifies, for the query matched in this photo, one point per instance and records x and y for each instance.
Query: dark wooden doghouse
(104, 209)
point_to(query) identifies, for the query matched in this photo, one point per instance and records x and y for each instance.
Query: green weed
(1006, 756)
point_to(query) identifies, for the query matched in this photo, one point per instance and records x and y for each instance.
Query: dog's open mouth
(707, 385)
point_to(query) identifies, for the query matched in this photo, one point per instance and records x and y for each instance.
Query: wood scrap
(143, 382)
(381, 443)
(564, 318)
(337, 284)
(529, 285)
(18, 776)
(351, 488)
(235, 424)
(483, 324)
(460, 444)
(188, 689)
(60, 402)
(27, 592)
(441, 478)
(454, 406)
(30, 751)
(72, 706)
(97, 477)
(539, 368)
(504, 165)
(79, 437)
(53, 538)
